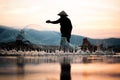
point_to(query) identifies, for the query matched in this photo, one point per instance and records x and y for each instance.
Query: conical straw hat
(63, 13)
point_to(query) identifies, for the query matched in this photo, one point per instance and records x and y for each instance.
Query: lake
(83, 67)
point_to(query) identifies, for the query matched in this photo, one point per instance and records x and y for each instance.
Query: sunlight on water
(96, 71)
(84, 68)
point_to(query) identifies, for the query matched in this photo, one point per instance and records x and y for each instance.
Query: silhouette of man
(65, 23)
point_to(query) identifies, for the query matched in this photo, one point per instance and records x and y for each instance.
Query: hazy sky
(90, 18)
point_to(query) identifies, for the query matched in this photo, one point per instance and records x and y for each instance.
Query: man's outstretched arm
(54, 22)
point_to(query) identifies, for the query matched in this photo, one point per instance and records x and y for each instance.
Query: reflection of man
(65, 71)
(65, 23)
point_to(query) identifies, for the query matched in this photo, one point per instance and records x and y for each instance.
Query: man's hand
(48, 21)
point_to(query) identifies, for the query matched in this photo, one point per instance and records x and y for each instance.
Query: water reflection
(55, 59)
(62, 68)
(65, 69)
(20, 65)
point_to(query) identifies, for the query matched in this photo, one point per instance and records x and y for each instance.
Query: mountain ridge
(49, 37)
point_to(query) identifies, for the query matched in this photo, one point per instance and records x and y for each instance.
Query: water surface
(43, 68)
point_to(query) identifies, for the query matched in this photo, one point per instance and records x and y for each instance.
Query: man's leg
(68, 38)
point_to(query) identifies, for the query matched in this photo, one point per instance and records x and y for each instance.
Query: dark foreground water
(63, 68)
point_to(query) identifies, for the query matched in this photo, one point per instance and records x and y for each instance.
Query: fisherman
(65, 23)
